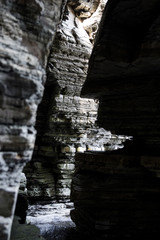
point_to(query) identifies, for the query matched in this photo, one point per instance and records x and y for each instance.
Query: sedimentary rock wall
(117, 194)
(61, 112)
(128, 71)
(65, 121)
(27, 29)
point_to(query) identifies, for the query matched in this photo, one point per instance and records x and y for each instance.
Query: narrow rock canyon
(79, 119)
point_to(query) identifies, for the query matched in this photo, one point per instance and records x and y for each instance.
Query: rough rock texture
(116, 195)
(70, 119)
(60, 103)
(27, 29)
(91, 24)
(84, 8)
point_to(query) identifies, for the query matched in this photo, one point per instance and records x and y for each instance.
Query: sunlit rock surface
(82, 7)
(91, 24)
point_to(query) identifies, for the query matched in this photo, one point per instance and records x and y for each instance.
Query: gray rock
(27, 31)
(68, 123)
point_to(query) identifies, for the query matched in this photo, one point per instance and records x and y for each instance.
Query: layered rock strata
(116, 195)
(66, 73)
(27, 31)
(70, 119)
(128, 71)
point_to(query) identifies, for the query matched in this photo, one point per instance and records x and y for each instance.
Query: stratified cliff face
(125, 61)
(27, 29)
(116, 195)
(65, 121)
(61, 112)
(49, 173)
